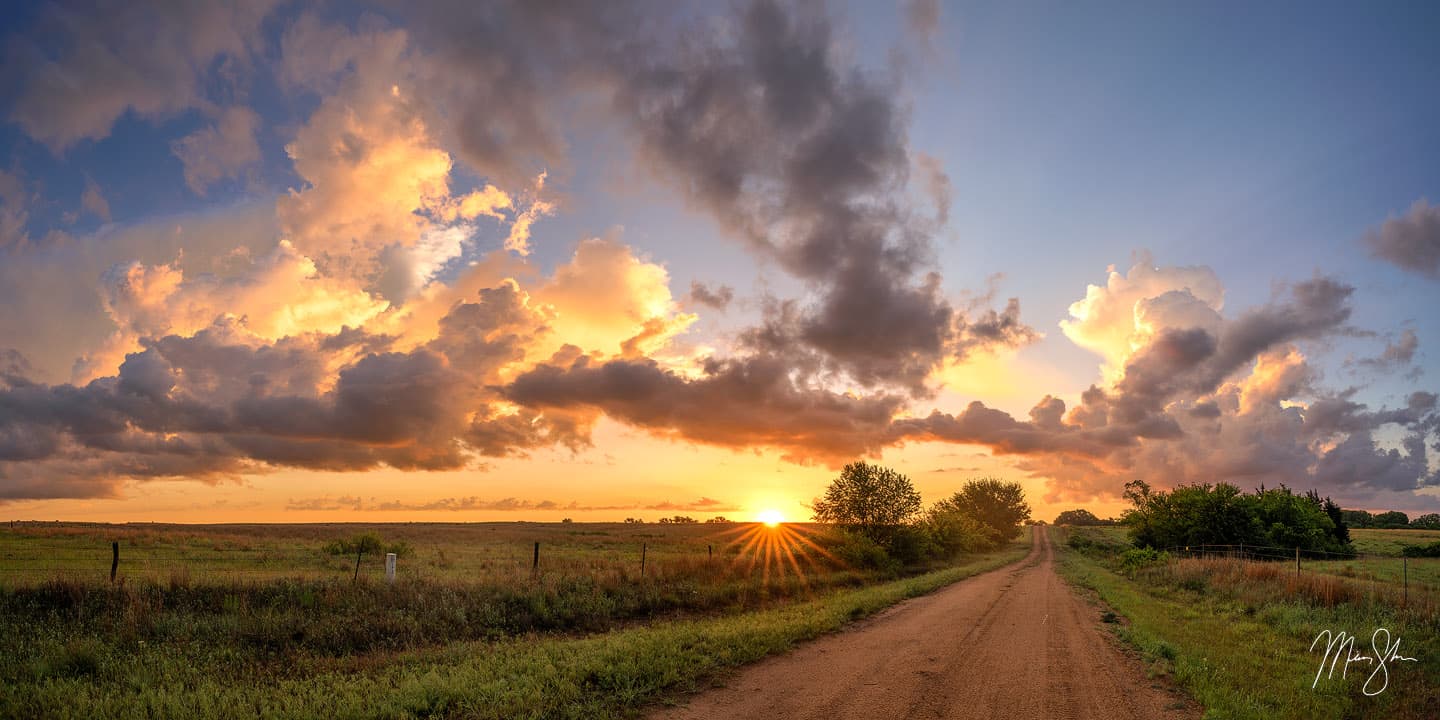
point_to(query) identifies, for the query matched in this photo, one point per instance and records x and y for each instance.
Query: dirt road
(1014, 643)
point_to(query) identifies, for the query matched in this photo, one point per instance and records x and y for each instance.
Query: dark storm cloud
(1411, 241)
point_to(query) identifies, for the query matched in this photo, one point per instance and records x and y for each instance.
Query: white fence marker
(390, 568)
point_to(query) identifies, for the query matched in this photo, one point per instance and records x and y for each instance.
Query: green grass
(34, 552)
(1237, 637)
(315, 647)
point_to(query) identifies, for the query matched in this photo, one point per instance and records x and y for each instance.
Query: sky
(292, 262)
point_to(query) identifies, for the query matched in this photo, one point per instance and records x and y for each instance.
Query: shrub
(1421, 551)
(1221, 514)
(860, 551)
(1136, 559)
(369, 544)
(952, 532)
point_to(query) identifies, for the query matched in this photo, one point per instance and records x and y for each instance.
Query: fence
(1407, 575)
(36, 560)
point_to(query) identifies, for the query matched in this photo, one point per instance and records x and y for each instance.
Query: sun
(771, 518)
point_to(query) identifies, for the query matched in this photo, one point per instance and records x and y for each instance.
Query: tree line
(884, 522)
(1222, 514)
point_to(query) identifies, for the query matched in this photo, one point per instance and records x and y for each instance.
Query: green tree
(1357, 518)
(1392, 519)
(869, 498)
(1077, 517)
(1429, 521)
(998, 504)
(951, 532)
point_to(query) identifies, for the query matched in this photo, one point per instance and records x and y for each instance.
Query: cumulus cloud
(356, 321)
(149, 58)
(222, 150)
(1410, 241)
(1194, 396)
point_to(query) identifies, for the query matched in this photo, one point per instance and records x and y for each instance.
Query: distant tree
(717, 519)
(635, 521)
(1357, 518)
(998, 504)
(951, 531)
(869, 498)
(567, 520)
(1077, 517)
(1428, 521)
(681, 519)
(664, 521)
(1392, 519)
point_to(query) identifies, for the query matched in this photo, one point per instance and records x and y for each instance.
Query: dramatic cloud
(402, 305)
(150, 58)
(1411, 241)
(222, 150)
(734, 403)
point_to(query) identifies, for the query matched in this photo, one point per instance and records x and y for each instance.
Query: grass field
(470, 632)
(31, 552)
(1378, 563)
(1237, 634)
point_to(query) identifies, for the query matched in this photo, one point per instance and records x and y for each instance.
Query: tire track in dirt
(1013, 643)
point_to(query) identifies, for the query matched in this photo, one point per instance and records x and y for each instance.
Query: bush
(952, 532)
(1421, 551)
(1135, 559)
(369, 544)
(1223, 515)
(861, 552)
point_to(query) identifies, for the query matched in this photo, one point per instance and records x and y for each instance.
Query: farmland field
(203, 620)
(1237, 634)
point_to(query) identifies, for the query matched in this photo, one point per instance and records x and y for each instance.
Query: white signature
(1384, 652)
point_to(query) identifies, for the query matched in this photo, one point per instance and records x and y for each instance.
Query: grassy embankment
(321, 647)
(1237, 635)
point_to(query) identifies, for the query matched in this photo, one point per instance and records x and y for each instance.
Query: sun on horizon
(770, 517)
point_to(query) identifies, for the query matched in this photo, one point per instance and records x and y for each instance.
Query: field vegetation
(483, 620)
(1235, 628)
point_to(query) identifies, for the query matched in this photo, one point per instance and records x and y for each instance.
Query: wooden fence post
(114, 559)
(710, 552)
(642, 559)
(535, 563)
(1297, 562)
(1405, 569)
(359, 554)
(390, 568)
